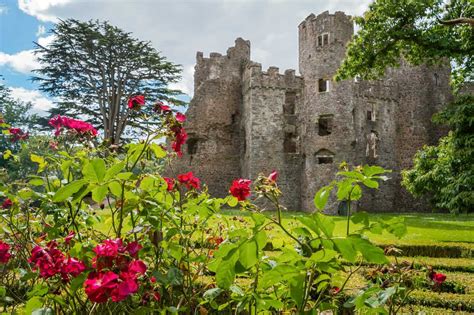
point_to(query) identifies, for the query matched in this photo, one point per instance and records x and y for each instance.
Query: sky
(177, 28)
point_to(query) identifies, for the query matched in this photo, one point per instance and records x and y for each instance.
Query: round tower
(327, 113)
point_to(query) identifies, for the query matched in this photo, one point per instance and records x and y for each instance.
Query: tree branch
(461, 20)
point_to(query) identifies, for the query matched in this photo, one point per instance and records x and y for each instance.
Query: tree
(445, 172)
(426, 31)
(95, 68)
(421, 31)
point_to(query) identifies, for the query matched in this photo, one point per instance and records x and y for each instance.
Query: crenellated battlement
(218, 66)
(254, 77)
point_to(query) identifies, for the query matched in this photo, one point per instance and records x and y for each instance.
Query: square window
(323, 85)
(325, 39)
(325, 125)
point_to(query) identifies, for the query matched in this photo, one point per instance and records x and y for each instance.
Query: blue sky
(177, 28)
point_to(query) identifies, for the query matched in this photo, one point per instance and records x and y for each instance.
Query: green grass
(422, 229)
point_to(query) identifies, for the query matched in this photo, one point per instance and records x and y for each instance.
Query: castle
(244, 121)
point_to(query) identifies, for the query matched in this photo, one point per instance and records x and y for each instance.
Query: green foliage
(95, 67)
(421, 31)
(445, 173)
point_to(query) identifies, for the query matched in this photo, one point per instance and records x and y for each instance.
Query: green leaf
(248, 255)
(99, 193)
(345, 247)
(157, 150)
(211, 294)
(40, 161)
(116, 189)
(33, 304)
(356, 193)
(94, 170)
(325, 223)
(77, 282)
(232, 201)
(344, 188)
(370, 171)
(261, 239)
(370, 252)
(322, 196)
(67, 191)
(370, 183)
(36, 182)
(297, 289)
(114, 170)
(225, 274)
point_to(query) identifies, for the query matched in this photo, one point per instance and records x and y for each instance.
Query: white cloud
(23, 61)
(41, 30)
(40, 8)
(39, 101)
(180, 28)
(45, 41)
(186, 85)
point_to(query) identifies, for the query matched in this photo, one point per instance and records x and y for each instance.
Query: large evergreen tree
(95, 67)
(426, 31)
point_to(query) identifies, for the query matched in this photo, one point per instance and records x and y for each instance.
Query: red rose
(49, 260)
(334, 290)
(73, 267)
(133, 248)
(99, 285)
(180, 117)
(7, 203)
(4, 252)
(79, 126)
(240, 188)
(189, 180)
(162, 108)
(17, 134)
(109, 248)
(180, 139)
(135, 102)
(137, 267)
(169, 182)
(438, 278)
(273, 176)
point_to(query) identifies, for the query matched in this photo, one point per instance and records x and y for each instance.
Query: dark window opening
(369, 115)
(436, 77)
(192, 146)
(325, 125)
(325, 39)
(290, 100)
(325, 159)
(324, 156)
(320, 40)
(289, 143)
(323, 85)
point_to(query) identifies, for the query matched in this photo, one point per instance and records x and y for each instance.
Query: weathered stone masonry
(243, 121)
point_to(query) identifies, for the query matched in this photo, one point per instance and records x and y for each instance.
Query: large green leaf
(94, 170)
(248, 254)
(370, 252)
(344, 188)
(322, 196)
(345, 247)
(225, 274)
(67, 191)
(114, 170)
(33, 304)
(99, 193)
(325, 223)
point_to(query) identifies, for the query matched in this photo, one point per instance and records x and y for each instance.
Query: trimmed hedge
(446, 264)
(455, 302)
(457, 250)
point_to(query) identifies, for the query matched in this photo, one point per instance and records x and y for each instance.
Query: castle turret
(212, 151)
(327, 111)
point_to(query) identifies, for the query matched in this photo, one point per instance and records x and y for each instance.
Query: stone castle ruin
(243, 121)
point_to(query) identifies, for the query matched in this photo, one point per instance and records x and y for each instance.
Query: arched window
(324, 156)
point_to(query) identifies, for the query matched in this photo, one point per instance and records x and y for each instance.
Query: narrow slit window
(320, 40)
(325, 125)
(369, 115)
(289, 143)
(289, 106)
(192, 146)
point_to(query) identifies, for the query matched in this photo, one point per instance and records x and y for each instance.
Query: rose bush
(93, 231)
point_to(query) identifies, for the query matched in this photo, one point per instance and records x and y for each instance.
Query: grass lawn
(422, 228)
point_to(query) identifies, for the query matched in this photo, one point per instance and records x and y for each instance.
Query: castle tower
(212, 151)
(328, 136)
(271, 128)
